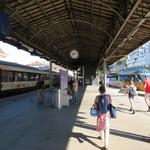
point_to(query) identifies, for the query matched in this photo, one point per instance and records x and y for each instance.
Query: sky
(17, 55)
(23, 57)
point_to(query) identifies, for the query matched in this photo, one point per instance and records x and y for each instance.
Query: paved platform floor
(27, 126)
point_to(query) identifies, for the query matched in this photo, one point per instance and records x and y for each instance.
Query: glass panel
(7, 76)
(25, 76)
(36, 76)
(18, 76)
(32, 76)
(10, 76)
(4, 77)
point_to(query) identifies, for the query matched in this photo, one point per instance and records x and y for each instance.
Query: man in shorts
(147, 92)
(40, 90)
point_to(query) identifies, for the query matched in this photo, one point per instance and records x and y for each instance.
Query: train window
(136, 79)
(3, 76)
(46, 76)
(32, 77)
(126, 78)
(7, 76)
(37, 76)
(10, 76)
(18, 76)
(122, 78)
(25, 76)
(41, 76)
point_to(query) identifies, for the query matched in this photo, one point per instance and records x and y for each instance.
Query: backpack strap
(100, 103)
(103, 108)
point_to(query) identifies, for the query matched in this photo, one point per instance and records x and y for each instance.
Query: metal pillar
(68, 74)
(105, 73)
(83, 74)
(74, 75)
(50, 80)
(50, 75)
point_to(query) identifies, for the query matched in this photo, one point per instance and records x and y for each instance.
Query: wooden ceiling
(97, 29)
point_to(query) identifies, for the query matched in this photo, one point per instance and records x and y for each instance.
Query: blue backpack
(103, 103)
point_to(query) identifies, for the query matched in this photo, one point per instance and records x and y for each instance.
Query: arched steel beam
(131, 34)
(104, 4)
(81, 21)
(121, 28)
(23, 22)
(68, 7)
(84, 35)
(96, 26)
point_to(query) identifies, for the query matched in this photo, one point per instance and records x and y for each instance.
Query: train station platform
(27, 126)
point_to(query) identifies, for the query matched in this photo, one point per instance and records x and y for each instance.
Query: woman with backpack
(131, 90)
(102, 102)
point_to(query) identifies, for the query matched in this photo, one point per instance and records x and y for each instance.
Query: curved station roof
(97, 29)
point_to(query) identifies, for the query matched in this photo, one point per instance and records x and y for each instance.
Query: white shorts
(147, 95)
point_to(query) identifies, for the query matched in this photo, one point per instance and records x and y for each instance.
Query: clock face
(74, 54)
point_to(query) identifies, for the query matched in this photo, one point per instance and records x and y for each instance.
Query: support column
(50, 81)
(74, 75)
(50, 74)
(105, 73)
(83, 74)
(68, 74)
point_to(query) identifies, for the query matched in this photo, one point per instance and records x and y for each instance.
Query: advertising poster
(63, 79)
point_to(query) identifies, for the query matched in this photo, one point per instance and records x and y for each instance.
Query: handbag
(112, 110)
(93, 111)
(69, 92)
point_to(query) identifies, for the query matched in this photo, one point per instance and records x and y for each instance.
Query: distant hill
(39, 65)
(36, 64)
(45, 66)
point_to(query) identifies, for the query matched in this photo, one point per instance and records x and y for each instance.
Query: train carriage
(122, 78)
(16, 78)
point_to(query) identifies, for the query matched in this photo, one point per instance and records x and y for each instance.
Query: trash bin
(57, 98)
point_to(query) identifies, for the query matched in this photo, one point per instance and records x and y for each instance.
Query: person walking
(102, 102)
(147, 92)
(131, 91)
(40, 90)
(70, 84)
(75, 90)
(70, 90)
